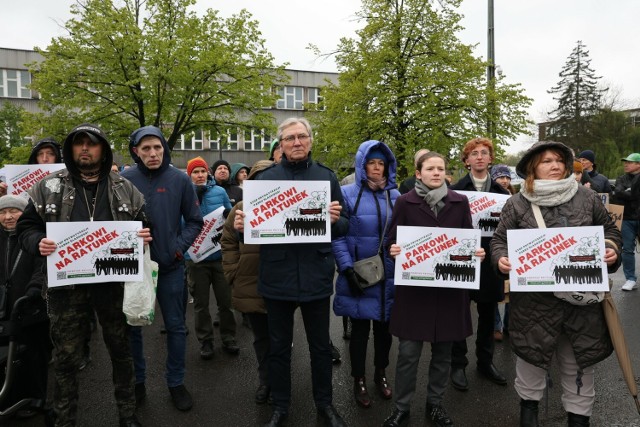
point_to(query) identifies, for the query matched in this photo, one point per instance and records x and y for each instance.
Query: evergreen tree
(407, 80)
(579, 100)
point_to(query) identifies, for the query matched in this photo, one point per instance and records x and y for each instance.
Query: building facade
(303, 91)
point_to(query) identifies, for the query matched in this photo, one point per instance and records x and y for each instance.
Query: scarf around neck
(548, 192)
(377, 184)
(432, 196)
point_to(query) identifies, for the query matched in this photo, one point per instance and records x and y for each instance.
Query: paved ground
(223, 387)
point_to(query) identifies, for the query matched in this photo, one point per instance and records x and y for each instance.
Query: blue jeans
(170, 294)
(315, 315)
(629, 233)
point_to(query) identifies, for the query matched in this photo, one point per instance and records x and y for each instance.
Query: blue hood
(361, 161)
(140, 133)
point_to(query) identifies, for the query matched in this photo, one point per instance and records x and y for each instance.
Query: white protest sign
(208, 241)
(485, 209)
(22, 177)
(94, 252)
(438, 257)
(286, 211)
(557, 259)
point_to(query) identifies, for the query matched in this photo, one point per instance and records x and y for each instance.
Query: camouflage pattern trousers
(69, 310)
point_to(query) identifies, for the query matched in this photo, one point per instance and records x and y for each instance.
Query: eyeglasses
(483, 153)
(302, 138)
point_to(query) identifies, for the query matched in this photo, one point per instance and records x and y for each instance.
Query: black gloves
(34, 293)
(352, 280)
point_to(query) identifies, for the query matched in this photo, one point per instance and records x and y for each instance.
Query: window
(290, 98)
(313, 97)
(232, 140)
(214, 139)
(191, 141)
(13, 84)
(256, 140)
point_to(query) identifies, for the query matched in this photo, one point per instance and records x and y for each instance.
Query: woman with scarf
(543, 326)
(368, 202)
(436, 315)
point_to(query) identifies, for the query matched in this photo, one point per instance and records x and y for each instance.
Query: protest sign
(557, 259)
(94, 252)
(616, 213)
(22, 177)
(286, 211)
(438, 257)
(485, 210)
(208, 241)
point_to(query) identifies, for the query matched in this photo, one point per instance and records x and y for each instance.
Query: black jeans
(484, 339)
(315, 315)
(358, 345)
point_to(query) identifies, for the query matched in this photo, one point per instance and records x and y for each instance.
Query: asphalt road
(223, 387)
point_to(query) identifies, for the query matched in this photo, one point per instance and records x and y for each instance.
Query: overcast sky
(532, 39)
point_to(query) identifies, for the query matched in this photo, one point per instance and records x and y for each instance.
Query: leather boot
(576, 420)
(380, 379)
(360, 392)
(528, 413)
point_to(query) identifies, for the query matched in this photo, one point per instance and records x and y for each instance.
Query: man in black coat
(293, 276)
(477, 156)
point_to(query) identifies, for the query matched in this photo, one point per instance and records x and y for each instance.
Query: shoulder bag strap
(538, 214)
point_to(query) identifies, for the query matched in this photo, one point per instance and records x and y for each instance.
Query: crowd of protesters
(268, 283)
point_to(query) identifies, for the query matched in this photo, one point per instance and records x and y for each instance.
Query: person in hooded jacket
(207, 274)
(23, 275)
(239, 172)
(542, 326)
(176, 220)
(368, 202)
(46, 151)
(86, 190)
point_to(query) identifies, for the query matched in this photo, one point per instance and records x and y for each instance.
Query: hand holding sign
(46, 247)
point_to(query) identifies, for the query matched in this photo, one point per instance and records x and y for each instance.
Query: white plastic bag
(139, 299)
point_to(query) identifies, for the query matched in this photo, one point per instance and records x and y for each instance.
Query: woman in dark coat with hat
(436, 315)
(543, 326)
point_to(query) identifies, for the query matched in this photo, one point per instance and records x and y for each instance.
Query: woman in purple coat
(436, 315)
(368, 202)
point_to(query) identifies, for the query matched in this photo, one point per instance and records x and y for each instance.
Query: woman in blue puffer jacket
(369, 203)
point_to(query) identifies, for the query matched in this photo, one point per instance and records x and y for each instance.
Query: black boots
(576, 420)
(528, 413)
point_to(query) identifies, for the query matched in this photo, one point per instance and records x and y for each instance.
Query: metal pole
(491, 72)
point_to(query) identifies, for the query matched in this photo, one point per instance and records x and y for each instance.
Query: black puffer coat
(491, 284)
(537, 319)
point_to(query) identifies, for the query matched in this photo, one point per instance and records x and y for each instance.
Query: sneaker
(181, 398)
(206, 350)
(629, 285)
(438, 415)
(497, 336)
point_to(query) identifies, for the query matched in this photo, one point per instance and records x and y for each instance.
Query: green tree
(12, 143)
(407, 80)
(579, 100)
(131, 63)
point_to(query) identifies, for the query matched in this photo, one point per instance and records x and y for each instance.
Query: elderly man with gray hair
(299, 275)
